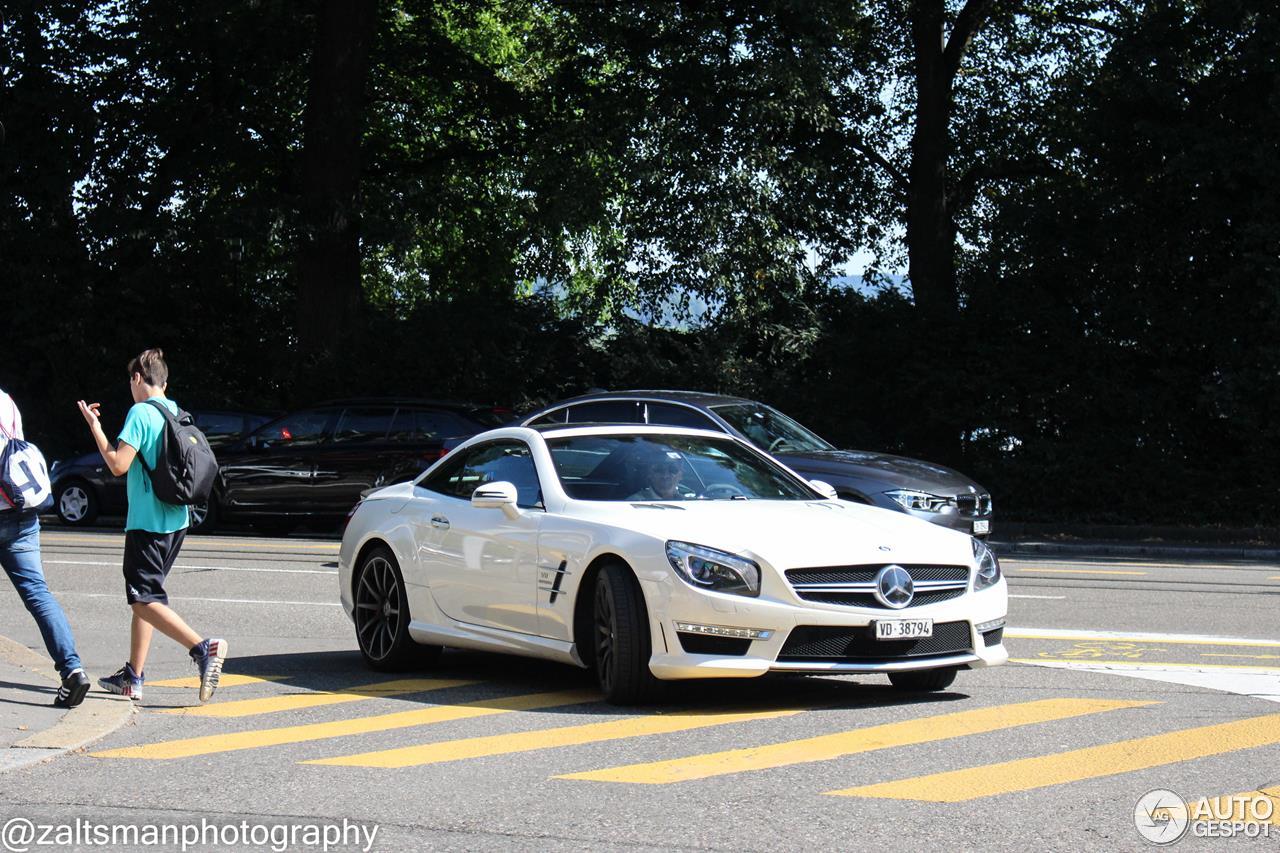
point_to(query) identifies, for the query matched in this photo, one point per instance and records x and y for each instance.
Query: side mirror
(498, 495)
(825, 488)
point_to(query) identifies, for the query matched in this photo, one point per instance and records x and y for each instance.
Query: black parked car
(83, 488)
(312, 465)
(921, 489)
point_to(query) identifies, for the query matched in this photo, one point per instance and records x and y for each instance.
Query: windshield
(769, 429)
(654, 467)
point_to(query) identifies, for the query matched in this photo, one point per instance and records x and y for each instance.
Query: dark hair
(150, 363)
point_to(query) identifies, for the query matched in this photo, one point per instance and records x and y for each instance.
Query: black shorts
(148, 557)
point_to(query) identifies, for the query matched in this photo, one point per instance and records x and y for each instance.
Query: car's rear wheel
(76, 503)
(923, 680)
(382, 616)
(204, 517)
(621, 638)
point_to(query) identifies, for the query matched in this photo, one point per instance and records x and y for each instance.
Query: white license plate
(903, 629)
(981, 527)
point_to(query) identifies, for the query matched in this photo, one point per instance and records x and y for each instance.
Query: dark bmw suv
(312, 464)
(922, 489)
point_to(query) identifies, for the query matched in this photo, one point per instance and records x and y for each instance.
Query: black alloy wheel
(621, 638)
(382, 615)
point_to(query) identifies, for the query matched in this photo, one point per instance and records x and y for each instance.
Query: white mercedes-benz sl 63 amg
(651, 554)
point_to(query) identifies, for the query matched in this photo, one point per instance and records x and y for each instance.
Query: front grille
(859, 580)
(866, 599)
(828, 644)
(973, 506)
(993, 638)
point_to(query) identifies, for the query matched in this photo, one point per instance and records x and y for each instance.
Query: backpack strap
(168, 415)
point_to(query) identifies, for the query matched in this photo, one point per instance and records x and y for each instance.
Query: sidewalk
(31, 729)
(1255, 544)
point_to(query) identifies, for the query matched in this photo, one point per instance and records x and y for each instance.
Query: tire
(924, 680)
(382, 616)
(620, 638)
(76, 503)
(204, 518)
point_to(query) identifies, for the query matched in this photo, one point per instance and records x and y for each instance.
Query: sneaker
(125, 682)
(209, 655)
(73, 689)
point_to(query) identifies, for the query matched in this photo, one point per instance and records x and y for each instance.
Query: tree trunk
(329, 289)
(930, 230)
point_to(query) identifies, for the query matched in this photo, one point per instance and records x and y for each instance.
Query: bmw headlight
(988, 566)
(720, 571)
(910, 499)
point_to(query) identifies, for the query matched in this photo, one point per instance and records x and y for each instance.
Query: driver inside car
(662, 474)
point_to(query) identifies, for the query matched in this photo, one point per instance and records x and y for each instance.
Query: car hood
(795, 534)
(894, 471)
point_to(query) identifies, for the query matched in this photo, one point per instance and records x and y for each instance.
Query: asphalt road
(1128, 676)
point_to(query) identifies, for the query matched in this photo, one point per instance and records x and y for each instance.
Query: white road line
(1046, 597)
(116, 564)
(1258, 682)
(1140, 637)
(215, 600)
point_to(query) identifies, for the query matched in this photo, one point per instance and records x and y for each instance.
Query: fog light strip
(826, 747)
(724, 631)
(1093, 762)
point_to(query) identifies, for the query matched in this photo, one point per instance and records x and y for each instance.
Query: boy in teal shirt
(154, 531)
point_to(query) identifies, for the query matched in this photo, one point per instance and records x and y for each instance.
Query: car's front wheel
(621, 638)
(382, 615)
(76, 503)
(204, 517)
(923, 680)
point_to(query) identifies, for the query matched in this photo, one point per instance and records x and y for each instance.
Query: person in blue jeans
(20, 556)
(154, 532)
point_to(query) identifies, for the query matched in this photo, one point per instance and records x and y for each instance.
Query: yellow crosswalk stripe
(1075, 765)
(826, 747)
(318, 699)
(233, 741)
(227, 680)
(478, 747)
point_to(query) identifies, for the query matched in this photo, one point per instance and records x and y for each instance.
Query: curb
(1126, 549)
(98, 716)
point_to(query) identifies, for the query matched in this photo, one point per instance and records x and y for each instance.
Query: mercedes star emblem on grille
(894, 587)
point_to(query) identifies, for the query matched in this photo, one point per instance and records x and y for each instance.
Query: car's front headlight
(920, 501)
(708, 568)
(988, 566)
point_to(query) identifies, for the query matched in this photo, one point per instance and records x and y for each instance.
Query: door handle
(439, 521)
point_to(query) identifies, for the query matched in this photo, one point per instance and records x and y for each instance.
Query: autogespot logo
(894, 587)
(1161, 816)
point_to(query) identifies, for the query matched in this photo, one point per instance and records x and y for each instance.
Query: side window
(509, 461)
(669, 414)
(427, 425)
(444, 479)
(219, 424)
(607, 412)
(555, 417)
(362, 425)
(300, 429)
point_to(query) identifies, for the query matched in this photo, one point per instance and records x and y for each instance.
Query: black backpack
(185, 464)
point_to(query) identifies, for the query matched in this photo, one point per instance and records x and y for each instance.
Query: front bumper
(780, 618)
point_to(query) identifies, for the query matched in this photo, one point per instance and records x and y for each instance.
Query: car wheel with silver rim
(76, 503)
